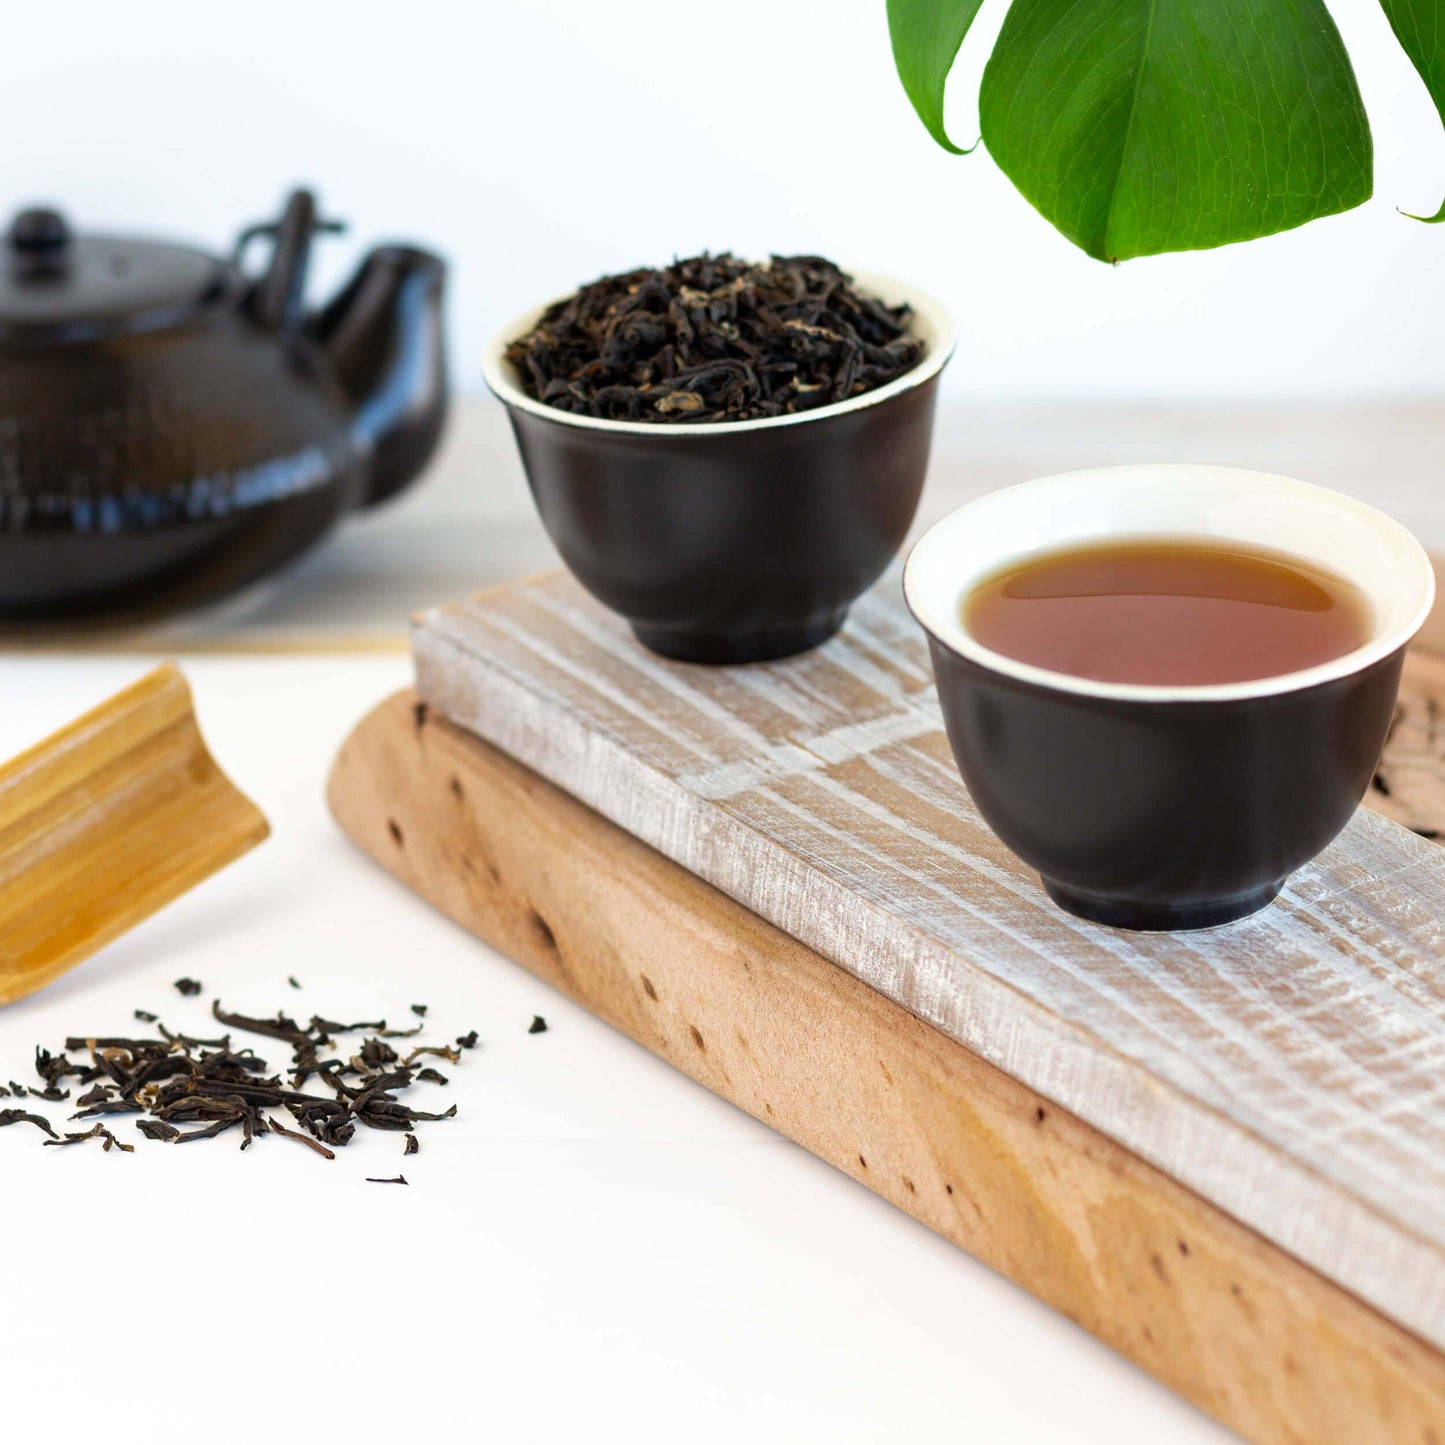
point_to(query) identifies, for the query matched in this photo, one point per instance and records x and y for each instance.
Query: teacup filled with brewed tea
(1167, 687)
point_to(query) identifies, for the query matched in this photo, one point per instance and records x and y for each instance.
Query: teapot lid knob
(60, 285)
(39, 231)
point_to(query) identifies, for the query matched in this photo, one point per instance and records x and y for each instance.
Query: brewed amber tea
(1168, 613)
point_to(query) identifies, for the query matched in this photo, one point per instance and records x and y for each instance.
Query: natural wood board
(1431, 637)
(1206, 1305)
(1290, 1068)
(105, 822)
(1409, 785)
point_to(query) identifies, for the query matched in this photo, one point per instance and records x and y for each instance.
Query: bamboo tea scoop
(107, 821)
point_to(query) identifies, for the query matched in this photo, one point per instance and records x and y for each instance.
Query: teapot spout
(383, 335)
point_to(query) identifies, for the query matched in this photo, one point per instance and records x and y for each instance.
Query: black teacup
(1167, 807)
(737, 541)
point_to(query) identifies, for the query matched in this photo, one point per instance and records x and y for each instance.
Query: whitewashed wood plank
(1290, 1067)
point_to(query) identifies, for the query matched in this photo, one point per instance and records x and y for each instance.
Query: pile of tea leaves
(181, 1088)
(712, 339)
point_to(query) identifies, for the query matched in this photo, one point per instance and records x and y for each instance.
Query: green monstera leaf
(1143, 126)
(1139, 126)
(926, 37)
(1419, 26)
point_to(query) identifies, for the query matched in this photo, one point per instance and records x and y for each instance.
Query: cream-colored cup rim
(1332, 530)
(931, 324)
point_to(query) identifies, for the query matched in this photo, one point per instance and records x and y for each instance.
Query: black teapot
(172, 428)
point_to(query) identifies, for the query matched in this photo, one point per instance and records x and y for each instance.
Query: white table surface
(595, 1248)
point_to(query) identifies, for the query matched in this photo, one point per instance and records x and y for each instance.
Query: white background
(541, 142)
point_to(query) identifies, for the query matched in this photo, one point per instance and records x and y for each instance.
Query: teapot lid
(56, 285)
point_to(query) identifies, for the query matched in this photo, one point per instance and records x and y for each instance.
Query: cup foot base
(734, 647)
(1159, 917)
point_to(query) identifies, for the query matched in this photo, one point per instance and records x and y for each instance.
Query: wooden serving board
(1211, 1308)
(1220, 1152)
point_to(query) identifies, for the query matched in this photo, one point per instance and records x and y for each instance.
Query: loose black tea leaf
(452, 1056)
(400, 1179)
(157, 1129)
(712, 339)
(281, 1027)
(381, 1111)
(186, 1041)
(419, 1009)
(188, 986)
(143, 1017)
(112, 1103)
(107, 1140)
(330, 1026)
(292, 981)
(53, 1067)
(412, 1147)
(92, 1046)
(19, 1116)
(432, 1076)
(277, 1127)
(467, 1041)
(538, 1025)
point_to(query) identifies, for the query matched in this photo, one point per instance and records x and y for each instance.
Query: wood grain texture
(105, 822)
(1409, 785)
(1290, 1068)
(1211, 1308)
(1431, 637)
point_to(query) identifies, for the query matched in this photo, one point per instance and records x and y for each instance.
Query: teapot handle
(278, 299)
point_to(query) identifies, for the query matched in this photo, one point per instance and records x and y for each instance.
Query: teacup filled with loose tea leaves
(728, 453)
(1167, 687)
